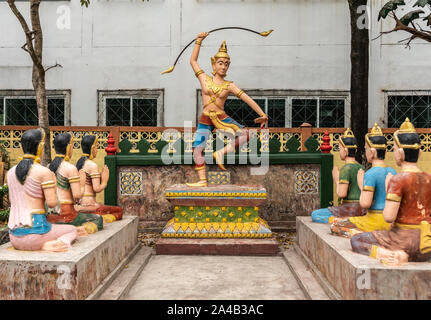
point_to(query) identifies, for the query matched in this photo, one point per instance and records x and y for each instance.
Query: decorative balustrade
(136, 139)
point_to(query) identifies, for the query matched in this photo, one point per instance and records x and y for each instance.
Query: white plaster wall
(125, 44)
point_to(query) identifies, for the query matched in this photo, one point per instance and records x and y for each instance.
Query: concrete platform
(356, 276)
(238, 247)
(215, 278)
(71, 275)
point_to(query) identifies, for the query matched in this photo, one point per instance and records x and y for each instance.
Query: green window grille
(304, 110)
(416, 107)
(131, 112)
(331, 113)
(319, 111)
(118, 112)
(56, 111)
(277, 113)
(241, 112)
(1, 110)
(23, 111)
(145, 112)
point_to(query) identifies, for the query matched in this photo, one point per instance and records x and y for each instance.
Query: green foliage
(422, 3)
(4, 154)
(410, 17)
(4, 189)
(389, 7)
(4, 214)
(428, 20)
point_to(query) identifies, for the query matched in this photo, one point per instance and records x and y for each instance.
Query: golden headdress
(376, 131)
(406, 127)
(222, 53)
(347, 134)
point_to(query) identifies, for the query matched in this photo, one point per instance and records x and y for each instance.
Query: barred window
(416, 107)
(131, 108)
(22, 110)
(332, 113)
(304, 110)
(1, 110)
(241, 112)
(289, 108)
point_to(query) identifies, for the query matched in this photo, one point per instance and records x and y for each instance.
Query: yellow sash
(228, 127)
(372, 221)
(425, 228)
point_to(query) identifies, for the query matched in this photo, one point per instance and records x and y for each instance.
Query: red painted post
(326, 146)
(111, 150)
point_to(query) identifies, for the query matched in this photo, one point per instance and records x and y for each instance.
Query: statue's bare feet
(354, 232)
(82, 232)
(108, 218)
(90, 227)
(219, 160)
(54, 246)
(392, 258)
(340, 231)
(201, 183)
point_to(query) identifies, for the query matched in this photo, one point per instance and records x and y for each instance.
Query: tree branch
(25, 44)
(54, 66)
(385, 32)
(421, 34)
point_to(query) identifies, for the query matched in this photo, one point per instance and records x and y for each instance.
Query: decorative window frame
(289, 95)
(102, 95)
(29, 93)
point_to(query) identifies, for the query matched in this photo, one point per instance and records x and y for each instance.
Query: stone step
(304, 276)
(329, 290)
(120, 286)
(233, 246)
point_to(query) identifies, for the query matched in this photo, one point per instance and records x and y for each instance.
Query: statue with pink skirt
(30, 186)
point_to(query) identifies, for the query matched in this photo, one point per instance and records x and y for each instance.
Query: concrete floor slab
(216, 277)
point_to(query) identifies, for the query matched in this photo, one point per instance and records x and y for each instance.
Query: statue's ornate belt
(219, 124)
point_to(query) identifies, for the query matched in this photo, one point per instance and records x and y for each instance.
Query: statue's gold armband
(198, 73)
(48, 184)
(95, 175)
(74, 179)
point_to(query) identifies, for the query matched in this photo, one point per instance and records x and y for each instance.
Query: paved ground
(216, 277)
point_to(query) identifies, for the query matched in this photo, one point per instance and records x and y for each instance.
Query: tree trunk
(38, 79)
(42, 111)
(359, 57)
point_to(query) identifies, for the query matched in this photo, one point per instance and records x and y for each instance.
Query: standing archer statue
(215, 91)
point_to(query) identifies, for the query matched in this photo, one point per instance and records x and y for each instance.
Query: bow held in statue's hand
(203, 35)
